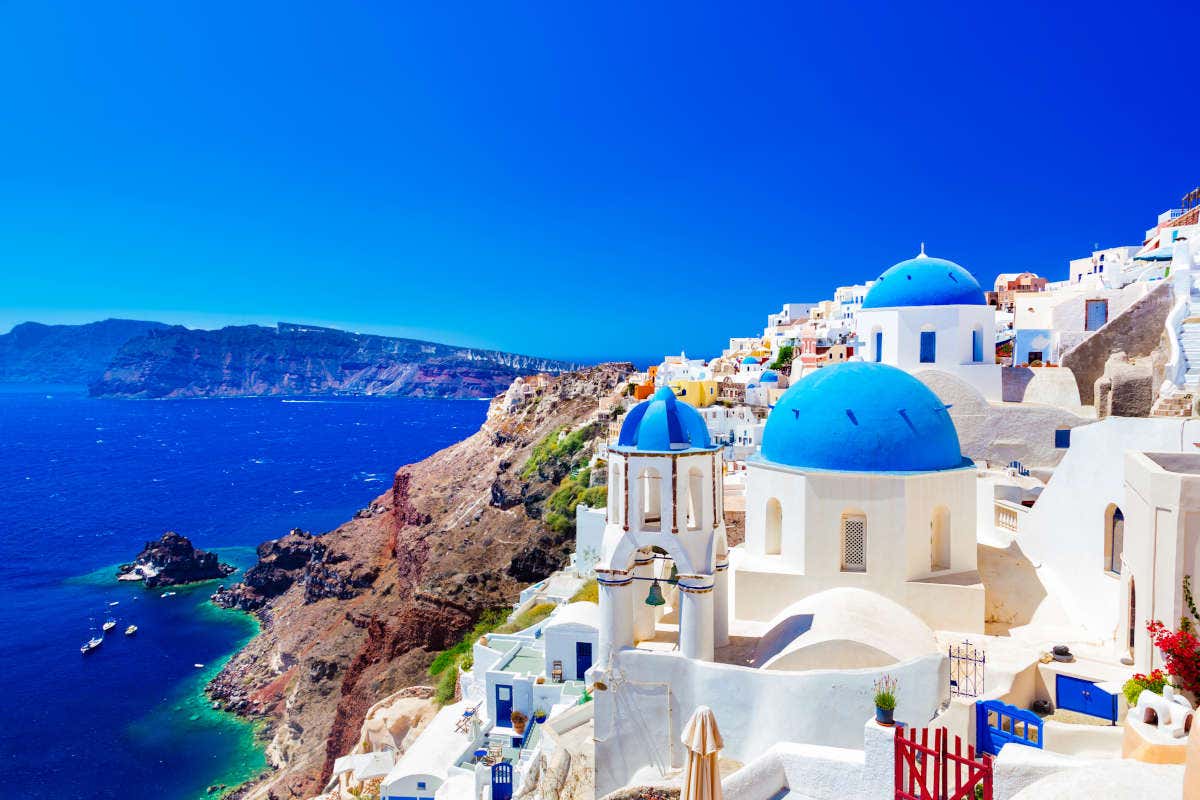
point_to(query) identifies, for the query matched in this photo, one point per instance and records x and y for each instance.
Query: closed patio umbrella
(701, 777)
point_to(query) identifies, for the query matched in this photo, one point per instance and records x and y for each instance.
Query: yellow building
(697, 394)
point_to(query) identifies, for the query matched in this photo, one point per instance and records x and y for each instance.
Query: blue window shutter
(976, 346)
(928, 347)
(1062, 438)
(879, 345)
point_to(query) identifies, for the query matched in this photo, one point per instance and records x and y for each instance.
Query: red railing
(923, 770)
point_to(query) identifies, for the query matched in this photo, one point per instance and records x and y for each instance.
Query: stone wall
(1137, 331)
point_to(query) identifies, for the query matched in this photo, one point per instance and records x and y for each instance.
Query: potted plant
(541, 679)
(539, 715)
(885, 700)
(518, 722)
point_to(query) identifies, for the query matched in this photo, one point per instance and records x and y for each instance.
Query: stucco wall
(1064, 531)
(1001, 433)
(651, 695)
(1136, 331)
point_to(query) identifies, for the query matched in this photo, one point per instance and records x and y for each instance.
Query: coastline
(187, 711)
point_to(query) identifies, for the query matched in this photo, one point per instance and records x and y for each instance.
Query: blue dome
(663, 424)
(749, 360)
(769, 377)
(861, 417)
(925, 281)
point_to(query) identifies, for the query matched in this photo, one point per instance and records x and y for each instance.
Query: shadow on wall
(1014, 381)
(1013, 592)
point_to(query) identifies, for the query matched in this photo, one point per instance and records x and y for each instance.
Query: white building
(1109, 264)
(861, 484)
(929, 313)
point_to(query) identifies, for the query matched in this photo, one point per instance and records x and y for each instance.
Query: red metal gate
(923, 768)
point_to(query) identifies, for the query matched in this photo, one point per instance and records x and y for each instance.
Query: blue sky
(545, 178)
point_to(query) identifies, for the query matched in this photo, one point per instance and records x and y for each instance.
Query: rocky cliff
(251, 360)
(358, 613)
(173, 560)
(35, 353)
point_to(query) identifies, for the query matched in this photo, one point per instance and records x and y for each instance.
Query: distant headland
(151, 360)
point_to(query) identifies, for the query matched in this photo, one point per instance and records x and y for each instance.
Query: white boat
(167, 594)
(108, 625)
(198, 666)
(131, 630)
(91, 644)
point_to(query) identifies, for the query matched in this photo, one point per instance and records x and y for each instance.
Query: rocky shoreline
(356, 614)
(173, 560)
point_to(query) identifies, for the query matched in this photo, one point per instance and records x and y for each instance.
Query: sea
(84, 483)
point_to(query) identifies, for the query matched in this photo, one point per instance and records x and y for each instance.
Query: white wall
(560, 641)
(754, 709)
(1064, 531)
(899, 510)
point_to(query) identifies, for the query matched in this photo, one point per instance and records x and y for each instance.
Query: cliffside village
(925, 539)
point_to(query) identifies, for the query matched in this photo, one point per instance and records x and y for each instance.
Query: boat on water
(198, 666)
(93, 642)
(167, 594)
(131, 630)
(109, 624)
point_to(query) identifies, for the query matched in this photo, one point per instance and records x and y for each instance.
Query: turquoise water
(83, 483)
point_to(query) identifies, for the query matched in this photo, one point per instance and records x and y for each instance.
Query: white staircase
(1189, 342)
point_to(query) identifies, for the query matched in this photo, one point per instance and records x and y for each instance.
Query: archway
(1114, 538)
(695, 502)
(939, 539)
(649, 500)
(773, 528)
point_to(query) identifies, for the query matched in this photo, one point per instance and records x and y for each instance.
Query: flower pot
(539, 718)
(884, 716)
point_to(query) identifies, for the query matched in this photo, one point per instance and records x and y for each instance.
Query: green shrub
(552, 449)
(1139, 683)
(589, 592)
(446, 687)
(783, 359)
(531, 616)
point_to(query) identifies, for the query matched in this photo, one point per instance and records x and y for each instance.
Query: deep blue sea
(83, 484)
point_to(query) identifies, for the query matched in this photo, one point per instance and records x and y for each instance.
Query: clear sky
(621, 181)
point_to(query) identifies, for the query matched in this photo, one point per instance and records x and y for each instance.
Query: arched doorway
(773, 528)
(939, 540)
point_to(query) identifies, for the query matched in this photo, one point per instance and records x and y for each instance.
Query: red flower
(1181, 651)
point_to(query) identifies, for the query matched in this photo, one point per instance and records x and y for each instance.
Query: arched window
(1114, 539)
(939, 539)
(695, 504)
(877, 340)
(616, 493)
(773, 529)
(1132, 613)
(650, 500)
(854, 542)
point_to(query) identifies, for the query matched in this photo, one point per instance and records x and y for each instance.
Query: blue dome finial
(922, 253)
(663, 424)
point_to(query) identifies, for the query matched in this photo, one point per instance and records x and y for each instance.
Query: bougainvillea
(1181, 651)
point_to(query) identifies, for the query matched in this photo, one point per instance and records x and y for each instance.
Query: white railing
(1008, 515)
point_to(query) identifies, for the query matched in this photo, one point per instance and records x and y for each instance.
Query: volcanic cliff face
(358, 613)
(35, 353)
(251, 360)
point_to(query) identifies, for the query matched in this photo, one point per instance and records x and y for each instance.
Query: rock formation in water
(297, 360)
(358, 613)
(173, 560)
(78, 354)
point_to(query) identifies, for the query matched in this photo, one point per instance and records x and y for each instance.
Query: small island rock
(173, 560)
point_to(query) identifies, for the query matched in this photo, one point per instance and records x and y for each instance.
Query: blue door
(502, 781)
(503, 705)
(928, 347)
(997, 724)
(1095, 314)
(879, 345)
(583, 659)
(977, 346)
(1076, 694)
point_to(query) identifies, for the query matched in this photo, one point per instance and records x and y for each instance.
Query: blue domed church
(931, 314)
(861, 483)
